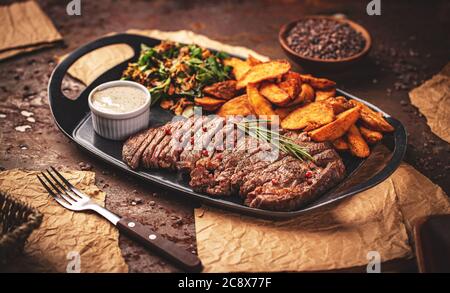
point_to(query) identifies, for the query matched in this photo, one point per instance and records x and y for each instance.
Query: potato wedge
(284, 112)
(371, 136)
(238, 106)
(209, 104)
(252, 61)
(317, 83)
(222, 90)
(274, 93)
(340, 144)
(292, 75)
(240, 67)
(309, 117)
(323, 95)
(339, 104)
(307, 93)
(259, 104)
(372, 119)
(338, 127)
(263, 71)
(290, 86)
(357, 145)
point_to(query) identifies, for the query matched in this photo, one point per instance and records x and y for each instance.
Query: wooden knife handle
(152, 240)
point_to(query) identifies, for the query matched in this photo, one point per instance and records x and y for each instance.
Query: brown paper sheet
(63, 231)
(336, 237)
(24, 28)
(340, 236)
(432, 98)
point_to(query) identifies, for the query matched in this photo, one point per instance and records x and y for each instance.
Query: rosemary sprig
(284, 143)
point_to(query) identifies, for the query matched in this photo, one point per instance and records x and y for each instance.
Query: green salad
(173, 70)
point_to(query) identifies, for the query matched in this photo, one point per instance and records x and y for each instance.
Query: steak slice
(134, 164)
(132, 144)
(154, 160)
(201, 139)
(271, 196)
(161, 132)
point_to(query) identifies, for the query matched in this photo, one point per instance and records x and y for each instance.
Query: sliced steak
(196, 149)
(222, 161)
(180, 140)
(154, 160)
(161, 132)
(137, 156)
(132, 144)
(272, 196)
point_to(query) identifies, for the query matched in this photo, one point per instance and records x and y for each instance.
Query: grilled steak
(222, 161)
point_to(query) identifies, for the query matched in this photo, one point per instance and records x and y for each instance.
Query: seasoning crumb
(152, 203)
(2, 116)
(31, 119)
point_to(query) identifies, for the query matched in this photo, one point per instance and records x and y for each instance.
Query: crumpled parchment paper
(432, 98)
(63, 234)
(336, 237)
(24, 28)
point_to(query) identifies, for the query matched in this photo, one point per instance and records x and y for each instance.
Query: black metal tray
(74, 119)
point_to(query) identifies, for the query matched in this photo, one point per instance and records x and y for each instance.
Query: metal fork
(73, 199)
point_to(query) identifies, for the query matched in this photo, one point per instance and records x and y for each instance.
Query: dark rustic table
(411, 43)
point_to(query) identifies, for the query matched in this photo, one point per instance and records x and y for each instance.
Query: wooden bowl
(323, 64)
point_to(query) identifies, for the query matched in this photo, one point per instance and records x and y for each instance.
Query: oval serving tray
(73, 118)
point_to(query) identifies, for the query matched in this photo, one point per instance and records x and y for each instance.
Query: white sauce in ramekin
(119, 99)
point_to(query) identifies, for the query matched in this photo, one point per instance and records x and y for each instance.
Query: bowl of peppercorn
(324, 43)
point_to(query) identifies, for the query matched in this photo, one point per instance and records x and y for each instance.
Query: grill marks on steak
(242, 165)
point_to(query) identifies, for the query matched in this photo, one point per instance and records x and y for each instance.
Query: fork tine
(68, 184)
(55, 197)
(60, 193)
(49, 190)
(64, 188)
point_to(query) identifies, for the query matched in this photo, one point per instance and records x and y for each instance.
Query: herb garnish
(282, 142)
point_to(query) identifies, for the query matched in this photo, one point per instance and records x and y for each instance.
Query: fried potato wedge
(292, 75)
(323, 95)
(222, 90)
(357, 145)
(238, 106)
(317, 83)
(339, 104)
(372, 119)
(209, 104)
(290, 86)
(284, 112)
(371, 136)
(240, 67)
(259, 104)
(338, 127)
(263, 71)
(309, 117)
(340, 144)
(252, 61)
(274, 93)
(307, 93)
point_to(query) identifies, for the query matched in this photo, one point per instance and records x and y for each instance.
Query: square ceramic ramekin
(119, 126)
